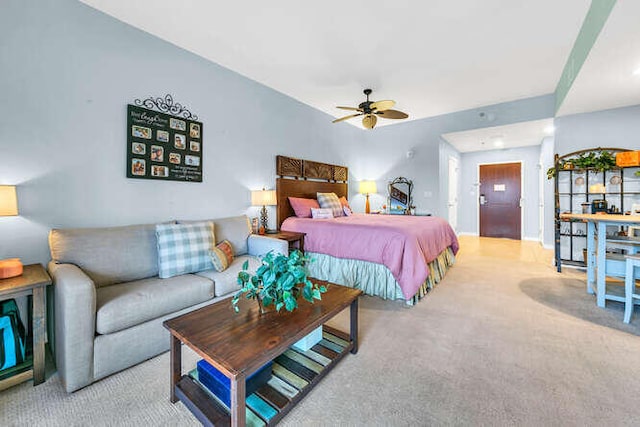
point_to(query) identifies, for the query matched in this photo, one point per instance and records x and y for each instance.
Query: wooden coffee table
(238, 344)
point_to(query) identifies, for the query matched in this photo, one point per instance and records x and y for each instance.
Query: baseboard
(550, 247)
(467, 233)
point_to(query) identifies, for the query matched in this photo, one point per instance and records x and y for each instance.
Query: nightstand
(295, 239)
(33, 281)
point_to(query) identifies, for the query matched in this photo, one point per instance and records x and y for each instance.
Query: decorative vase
(262, 309)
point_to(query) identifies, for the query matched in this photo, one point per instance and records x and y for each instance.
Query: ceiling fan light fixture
(371, 110)
(369, 122)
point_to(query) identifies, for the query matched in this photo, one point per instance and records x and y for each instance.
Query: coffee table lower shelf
(295, 373)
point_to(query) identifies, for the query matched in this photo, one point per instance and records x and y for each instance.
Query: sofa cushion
(235, 229)
(184, 248)
(227, 280)
(108, 255)
(124, 305)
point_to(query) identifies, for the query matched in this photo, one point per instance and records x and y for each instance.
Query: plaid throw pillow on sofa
(184, 248)
(331, 201)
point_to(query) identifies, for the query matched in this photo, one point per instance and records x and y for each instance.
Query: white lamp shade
(8, 200)
(263, 198)
(368, 187)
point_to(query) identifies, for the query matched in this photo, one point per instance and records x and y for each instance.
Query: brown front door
(500, 200)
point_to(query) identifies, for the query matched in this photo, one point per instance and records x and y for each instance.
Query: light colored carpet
(503, 340)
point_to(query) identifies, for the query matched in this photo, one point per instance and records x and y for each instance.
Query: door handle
(483, 200)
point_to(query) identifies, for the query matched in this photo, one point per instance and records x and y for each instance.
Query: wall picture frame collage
(162, 146)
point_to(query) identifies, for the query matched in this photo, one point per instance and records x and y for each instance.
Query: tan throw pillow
(330, 201)
(222, 255)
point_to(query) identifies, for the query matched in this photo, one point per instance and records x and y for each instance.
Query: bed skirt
(376, 279)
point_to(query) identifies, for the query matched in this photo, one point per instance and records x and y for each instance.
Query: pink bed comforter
(404, 244)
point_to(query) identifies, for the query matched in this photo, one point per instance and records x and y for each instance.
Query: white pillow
(347, 210)
(321, 213)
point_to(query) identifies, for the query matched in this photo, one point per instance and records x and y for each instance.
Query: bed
(398, 257)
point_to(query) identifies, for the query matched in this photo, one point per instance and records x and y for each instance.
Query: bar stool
(632, 261)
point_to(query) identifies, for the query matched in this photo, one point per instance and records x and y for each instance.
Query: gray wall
(386, 147)
(68, 72)
(446, 151)
(546, 161)
(619, 128)
(468, 207)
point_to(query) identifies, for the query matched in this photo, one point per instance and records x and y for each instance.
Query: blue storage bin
(220, 385)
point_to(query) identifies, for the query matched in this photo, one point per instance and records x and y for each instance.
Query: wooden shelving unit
(572, 189)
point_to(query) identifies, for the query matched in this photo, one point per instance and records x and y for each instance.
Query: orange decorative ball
(10, 268)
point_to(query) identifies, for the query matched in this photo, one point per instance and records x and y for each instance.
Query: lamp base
(11, 267)
(367, 207)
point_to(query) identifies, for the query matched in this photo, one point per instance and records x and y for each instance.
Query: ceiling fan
(371, 110)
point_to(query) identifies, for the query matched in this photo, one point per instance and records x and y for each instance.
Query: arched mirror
(400, 200)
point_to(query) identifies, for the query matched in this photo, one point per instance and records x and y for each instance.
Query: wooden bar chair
(616, 263)
(632, 262)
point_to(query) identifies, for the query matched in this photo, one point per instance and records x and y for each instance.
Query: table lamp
(9, 207)
(263, 198)
(367, 187)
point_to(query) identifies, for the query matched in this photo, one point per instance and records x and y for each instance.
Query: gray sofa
(110, 304)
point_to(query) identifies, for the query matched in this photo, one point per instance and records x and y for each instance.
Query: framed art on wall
(162, 146)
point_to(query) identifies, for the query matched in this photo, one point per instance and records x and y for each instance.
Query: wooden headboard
(304, 178)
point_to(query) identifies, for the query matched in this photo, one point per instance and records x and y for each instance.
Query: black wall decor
(163, 146)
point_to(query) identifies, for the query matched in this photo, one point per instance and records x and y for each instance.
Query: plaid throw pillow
(331, 201)
(184, 248)
(222, 255)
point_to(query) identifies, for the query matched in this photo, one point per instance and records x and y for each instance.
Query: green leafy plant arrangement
(279, 281)
(563, 164)
(598, 161)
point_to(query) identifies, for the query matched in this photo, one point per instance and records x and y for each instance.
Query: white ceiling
(607, 78)
(501, 137)
(432, 57)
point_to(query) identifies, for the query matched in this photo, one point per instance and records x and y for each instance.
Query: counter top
(626, 219)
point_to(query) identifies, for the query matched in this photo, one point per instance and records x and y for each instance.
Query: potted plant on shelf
(279, 281)
(599, 161)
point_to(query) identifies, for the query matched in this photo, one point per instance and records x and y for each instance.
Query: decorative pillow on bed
(322, 213)
(344, 202)
(347, 211)
(222, 255)
(331, 201)
(184, 248)
(302, 207)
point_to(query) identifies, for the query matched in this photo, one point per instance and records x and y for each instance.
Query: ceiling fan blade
(369, 121)
(346, 117)
(392, 114)
(350, 108)
(382, 105)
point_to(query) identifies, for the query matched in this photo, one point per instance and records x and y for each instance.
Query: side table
(33, 281)
(295, 239)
